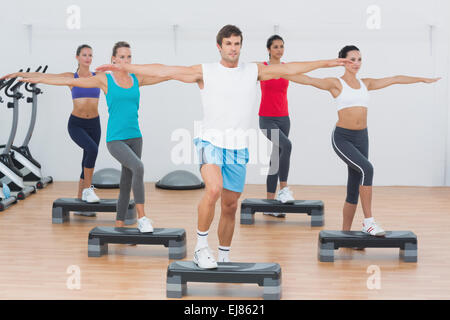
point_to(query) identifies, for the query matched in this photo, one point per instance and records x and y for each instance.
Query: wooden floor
(35, 254)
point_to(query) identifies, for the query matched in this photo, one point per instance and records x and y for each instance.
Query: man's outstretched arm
(276, 71)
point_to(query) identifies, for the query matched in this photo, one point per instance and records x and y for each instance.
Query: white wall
(408, 125)
(444, 51)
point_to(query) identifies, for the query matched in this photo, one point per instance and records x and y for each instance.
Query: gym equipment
(63, 206)
(99, 238)
(267, 275)
(180, 180)
(333, 240)
(22, 159)
(9, 174)
(106, 179)
(314, 208)
(5, 201)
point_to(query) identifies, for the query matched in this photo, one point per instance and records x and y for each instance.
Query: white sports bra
(350, 97)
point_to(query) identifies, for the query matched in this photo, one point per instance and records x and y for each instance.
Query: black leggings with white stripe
(352, 146)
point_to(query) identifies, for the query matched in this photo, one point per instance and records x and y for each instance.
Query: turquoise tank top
(123, 106)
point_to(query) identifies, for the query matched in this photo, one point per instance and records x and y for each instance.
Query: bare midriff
(86, 108)
(352, 118)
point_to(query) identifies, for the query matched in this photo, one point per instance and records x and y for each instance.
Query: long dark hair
(83, 46)
(271, 40)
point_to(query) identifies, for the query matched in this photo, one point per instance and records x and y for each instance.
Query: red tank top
(274, 98)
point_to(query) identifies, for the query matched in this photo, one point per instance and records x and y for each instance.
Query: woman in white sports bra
(350, 139)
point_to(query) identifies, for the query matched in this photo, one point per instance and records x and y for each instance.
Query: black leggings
(86, 134)
(281, 149)
(352, 146)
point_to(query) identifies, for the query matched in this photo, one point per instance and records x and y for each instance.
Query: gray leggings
(281, 149)
(128, 153)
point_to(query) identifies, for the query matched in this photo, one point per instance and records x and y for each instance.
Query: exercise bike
(29, 167)
(9, 174)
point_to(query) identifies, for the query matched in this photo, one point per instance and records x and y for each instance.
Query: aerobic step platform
(267, 275)
(63, 206)
(333, 240)
(174, 239)
(314, 208)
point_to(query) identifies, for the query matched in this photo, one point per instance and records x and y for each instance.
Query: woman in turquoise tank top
(123, 137)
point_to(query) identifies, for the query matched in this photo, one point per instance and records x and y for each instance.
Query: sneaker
(204, 259)
(85, 214)
(373, 229)
(285, 196)
(145, 225)
(275, 214)
(89, 195)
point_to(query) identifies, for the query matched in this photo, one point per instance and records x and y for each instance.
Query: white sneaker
(204, 259)
(145, 225)
(275, 214)
(89, 195)
(285, 195)
(373, 229)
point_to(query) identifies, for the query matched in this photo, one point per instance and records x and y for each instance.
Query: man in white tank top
(228, 91)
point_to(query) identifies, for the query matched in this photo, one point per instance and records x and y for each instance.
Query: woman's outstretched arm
(331, 85)
(97, 81)
(37, 74)
(149, 74)
(375, 84)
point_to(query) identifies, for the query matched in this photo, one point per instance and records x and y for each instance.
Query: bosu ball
(180, 180)
(106, 179)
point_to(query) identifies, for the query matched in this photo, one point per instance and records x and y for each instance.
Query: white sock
(202, 239)
(224, 254)
(368, 221)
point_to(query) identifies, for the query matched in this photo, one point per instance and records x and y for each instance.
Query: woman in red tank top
(275, 124)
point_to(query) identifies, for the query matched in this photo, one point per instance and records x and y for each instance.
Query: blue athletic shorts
(233, 163)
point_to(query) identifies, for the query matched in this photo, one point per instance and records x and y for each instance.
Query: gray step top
(266, 204)
(72, 204)
(186, 268)
(118, 235)
(351, 236)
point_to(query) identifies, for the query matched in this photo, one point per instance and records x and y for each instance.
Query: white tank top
(350, 97)
(229, 99)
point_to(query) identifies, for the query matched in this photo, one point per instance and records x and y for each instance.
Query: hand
(431, 80)
(11, 75)
(339, 62)
(109, 67)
